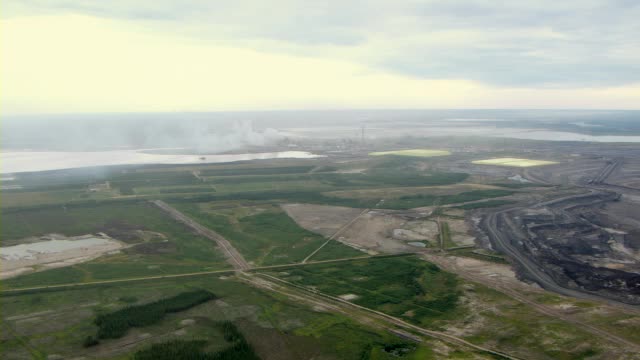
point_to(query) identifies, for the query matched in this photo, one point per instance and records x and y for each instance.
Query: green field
(413, 152)
(413, 201)
(336, 250)
(224, 182)
(401, 286)
(301, 169)
(263, 235)
(269, 323)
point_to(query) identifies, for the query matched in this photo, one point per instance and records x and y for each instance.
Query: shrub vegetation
(115, 324)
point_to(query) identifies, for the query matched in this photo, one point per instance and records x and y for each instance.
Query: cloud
(79, 56)
(515, 43)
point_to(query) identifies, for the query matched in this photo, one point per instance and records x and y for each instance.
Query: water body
(30, 251)
(28, 161)
(569, 136)
(472, 129)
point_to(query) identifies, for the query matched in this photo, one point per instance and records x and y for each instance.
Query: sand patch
(321, 219)
(53, 251)
(349, 297)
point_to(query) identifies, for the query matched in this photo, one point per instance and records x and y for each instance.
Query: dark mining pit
(575, 243)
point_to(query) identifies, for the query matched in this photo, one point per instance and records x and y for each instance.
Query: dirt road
(233, 256)
(193, 274)
(335, 234)
(359, 313)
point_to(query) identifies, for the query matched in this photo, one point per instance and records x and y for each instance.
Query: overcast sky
(199, 55)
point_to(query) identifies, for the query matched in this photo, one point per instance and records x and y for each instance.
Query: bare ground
(322, 219)
(374, 231)
(45, 261)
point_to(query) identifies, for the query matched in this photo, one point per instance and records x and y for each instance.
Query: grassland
(419, 200)
(401, 286)
(445, 235)
(413, 152)
(263, 235)
(272, 325)
(421, 293)
(238, 349)
(335, 250)
(514, 162)
(304, 181)
(23, 198)
(276, 170)
(115, 324)
(171, 248)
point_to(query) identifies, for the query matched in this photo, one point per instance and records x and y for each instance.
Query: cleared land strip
(602, 176)
(233, 256)
(361, 313)
(341, 230)
(200, 273)
(515, 294)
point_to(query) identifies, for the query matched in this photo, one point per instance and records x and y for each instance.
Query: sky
(70, 56)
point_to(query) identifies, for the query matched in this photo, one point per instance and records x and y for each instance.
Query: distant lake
(569, 136)
(27, 161)
(471, 128)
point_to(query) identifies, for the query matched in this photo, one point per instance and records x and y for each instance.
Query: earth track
(233, 256)
(341, 230)
(365, 315)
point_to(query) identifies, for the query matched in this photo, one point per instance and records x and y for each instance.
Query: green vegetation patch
(193, 349)
(258, 171)
(485, 204)
(520, 185)
(115, 324)
(337, 181)
(406, 287)
(73, 220)
(419, 200)
(445, 235)
(127, 182)
(64, 275)
(256, 191)
(274, 325)
(413, 152)
(267, 238)
(336, 250)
